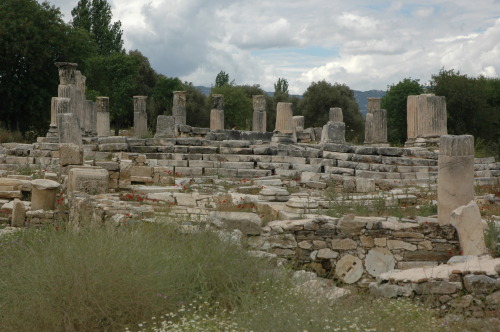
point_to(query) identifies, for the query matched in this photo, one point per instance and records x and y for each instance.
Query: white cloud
(376, 43)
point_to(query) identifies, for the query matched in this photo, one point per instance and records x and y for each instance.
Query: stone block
(397, 244)
(43, 194)
(365, 185)
(70, 154)
(343, 244)
(237, 165)
(89, 180)
(470, 228)
(253, 173)
(141, 171)
(248, 223)
(378, 261)
(113, 147)
(189, 171)
(18, 213)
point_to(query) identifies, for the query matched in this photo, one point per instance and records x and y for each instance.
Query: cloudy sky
(366, 44)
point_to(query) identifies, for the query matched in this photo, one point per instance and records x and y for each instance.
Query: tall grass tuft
(107, 279)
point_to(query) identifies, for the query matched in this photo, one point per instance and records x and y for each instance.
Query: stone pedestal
(43, 194)
(426, 119)
(217, 112)
(455, 174)
(179, 107)
(259, 122)
(335, 115)
(140, 116)
(333, 132)
(68, 129)
(165, 126)
(102, 112)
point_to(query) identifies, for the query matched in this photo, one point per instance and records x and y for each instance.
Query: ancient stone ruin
(294, 194)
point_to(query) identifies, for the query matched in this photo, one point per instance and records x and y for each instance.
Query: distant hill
(361, 96)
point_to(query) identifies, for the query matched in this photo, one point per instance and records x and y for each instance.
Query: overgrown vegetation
(110, 278)
(492, 238)
(156, 276)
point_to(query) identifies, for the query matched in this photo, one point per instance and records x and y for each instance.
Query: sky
(365, 44)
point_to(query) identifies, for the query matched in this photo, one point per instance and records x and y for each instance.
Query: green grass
(157, 277)
(492, 238)
(108, 279)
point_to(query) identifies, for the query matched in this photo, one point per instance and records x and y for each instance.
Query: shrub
(109, 278)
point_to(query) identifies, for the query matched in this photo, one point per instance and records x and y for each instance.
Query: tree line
(34, 37)
(472, 104)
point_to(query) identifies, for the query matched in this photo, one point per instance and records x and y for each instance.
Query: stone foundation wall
(377, 244)
(387, 167)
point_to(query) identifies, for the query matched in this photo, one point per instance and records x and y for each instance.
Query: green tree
(281, 87)
(394, 102)
(32, 37)
(95, 17)
(472, 105)
(221, 79)
(162, 97)
(321, 96)
(115, 76)
(197, 108)
(237, 106)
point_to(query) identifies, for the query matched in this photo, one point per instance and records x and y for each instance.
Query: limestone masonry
(273, 191)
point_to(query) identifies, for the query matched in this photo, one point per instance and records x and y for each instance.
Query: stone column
(284, 114)
(68, 129)
(53, 114)
(284, 131)
(93, 123)
(374, 104)
(217, 112)
(67, 82)
(43, 194)
(455, 174)
(165, 126)
(90, 117)
(259, 122)
(333, 132)
(140, 116)
(57, 105)
(336, 115)
(426, 116)
(376, 127)
(369, 128)
(379, 127)
(179, 107)
(102, 114)
(79, 100)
